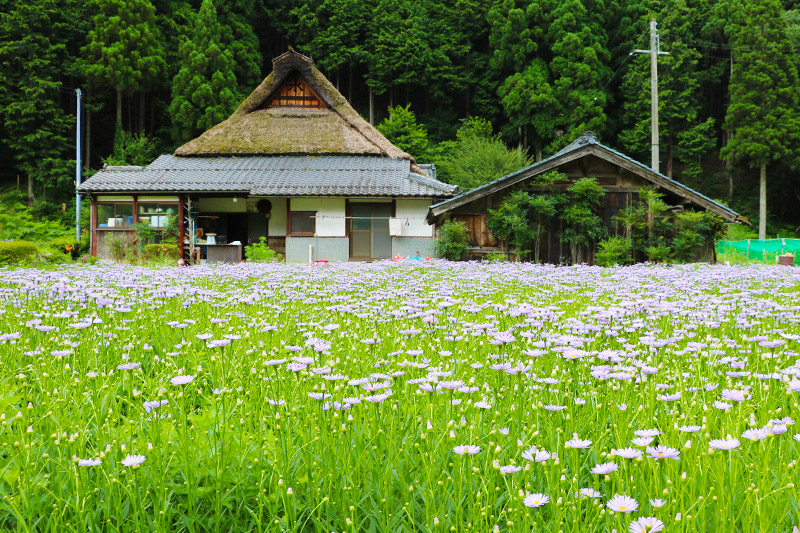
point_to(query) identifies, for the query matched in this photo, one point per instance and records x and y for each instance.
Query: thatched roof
(333, 127)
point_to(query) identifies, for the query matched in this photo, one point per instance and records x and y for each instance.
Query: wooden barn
(620, 176)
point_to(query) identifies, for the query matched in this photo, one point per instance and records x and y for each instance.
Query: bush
(17, 252)
(69, 246)
(496, 258)
(659, 253)
(453, 241)
(614, 251)
(260, 252)
(160, 252)
(88, 259)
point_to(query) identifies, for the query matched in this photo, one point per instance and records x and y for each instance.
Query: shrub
(117, 249)
(260, 252)
(453, 241)
(659, 253)
(614, 251)
(496, 257)
(69, 246)
(17, 252)
(160, 252)
(88, 259)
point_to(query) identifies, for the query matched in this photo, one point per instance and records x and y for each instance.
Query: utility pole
(78, 95)
(654, 52)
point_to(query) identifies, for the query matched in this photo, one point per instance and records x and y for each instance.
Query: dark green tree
(236, 19)
(124, 49)
(764, 110)
(577, 39)
(478, 156)
(583, 225)
(403, 130)
(531, 106)
(204, 92)
(34, 126)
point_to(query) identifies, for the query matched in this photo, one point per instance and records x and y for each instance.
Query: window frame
(144, 203)
(128, 227)
(312, 216)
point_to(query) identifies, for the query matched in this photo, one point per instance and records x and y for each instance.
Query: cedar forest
(532, 76)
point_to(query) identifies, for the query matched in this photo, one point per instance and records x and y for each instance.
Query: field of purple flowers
(400, 397)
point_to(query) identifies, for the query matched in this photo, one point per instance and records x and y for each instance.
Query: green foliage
(18, 222)
(578, 41)
(260, 252)
(764, 113)
(17, 253)
(34, 126)
(123, 49)
(614, 251)
(204, 92)
(477, 156)
(161, 252)
(530, 103)
(69, 246)
(403, 130)
(132, 149)
(582, 223)
(661, 236)
(661, 253)
(453, 241)
(145, 234)
(117, 249)
(496, 258)
(510, 223)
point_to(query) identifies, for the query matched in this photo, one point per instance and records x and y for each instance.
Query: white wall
(413, 212)
(222, 205)
(330, 212)
(277, 219)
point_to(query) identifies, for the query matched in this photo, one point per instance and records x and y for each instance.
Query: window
(295, 92)
(302, 223)
(157, 215)
(114, 215)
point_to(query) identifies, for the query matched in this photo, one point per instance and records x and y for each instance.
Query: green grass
(224, 454)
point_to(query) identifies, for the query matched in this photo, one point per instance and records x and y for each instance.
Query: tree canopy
(541, 72)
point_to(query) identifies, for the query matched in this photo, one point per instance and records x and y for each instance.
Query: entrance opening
(369, 231)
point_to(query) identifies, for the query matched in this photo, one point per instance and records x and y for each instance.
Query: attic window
(295, 92)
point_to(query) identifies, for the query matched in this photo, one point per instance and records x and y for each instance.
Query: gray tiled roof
(586, 139)
(287, 175)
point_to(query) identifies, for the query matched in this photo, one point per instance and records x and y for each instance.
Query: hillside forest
(478, 87)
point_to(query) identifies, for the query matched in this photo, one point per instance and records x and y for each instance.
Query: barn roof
(586, 144)
(331, 126)
(289, 175)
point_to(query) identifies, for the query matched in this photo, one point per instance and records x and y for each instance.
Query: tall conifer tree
(578, 42)
(34, 126)
(124, 51)
(204, 92)
(764, 109)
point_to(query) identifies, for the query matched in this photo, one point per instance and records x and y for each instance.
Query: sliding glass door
(369, 231)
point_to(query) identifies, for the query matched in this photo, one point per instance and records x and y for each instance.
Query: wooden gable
(294, 92)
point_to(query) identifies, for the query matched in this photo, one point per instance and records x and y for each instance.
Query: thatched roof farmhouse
(295, 163)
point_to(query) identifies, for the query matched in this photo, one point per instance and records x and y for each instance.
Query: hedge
(17, 252)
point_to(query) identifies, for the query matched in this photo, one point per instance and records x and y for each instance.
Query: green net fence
(755, 250)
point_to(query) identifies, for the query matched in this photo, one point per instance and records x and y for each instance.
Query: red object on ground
(320, 262)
